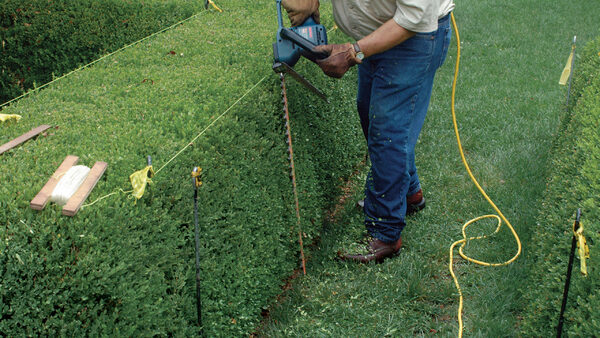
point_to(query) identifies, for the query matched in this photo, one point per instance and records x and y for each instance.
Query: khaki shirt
(358, 18)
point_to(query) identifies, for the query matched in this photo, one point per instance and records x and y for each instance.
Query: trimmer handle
(279, 16)
(307, 46)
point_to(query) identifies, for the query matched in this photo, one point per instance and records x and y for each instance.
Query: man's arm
(342, 57)
(387, 36)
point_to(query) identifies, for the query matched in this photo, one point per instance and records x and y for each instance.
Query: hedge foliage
(121, 268)
(42, 38)
(574, 183)
(585, 72)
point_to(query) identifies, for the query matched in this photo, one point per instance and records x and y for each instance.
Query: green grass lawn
(509, 107)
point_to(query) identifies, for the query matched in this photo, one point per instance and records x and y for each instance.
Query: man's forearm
(388, 35)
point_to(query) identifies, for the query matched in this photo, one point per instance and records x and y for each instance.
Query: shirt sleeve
(419, 16)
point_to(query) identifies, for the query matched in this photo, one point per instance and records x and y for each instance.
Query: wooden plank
(40, 200)
(75, 202)
(30, 134)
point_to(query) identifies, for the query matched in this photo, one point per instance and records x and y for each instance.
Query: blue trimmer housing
(293, 42)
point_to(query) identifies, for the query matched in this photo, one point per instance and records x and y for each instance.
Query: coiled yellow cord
(500, 217)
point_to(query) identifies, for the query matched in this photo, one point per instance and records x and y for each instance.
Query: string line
(211, 124)
(100, 59)
(188, 144)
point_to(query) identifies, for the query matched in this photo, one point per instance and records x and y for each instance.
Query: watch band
(358, 54)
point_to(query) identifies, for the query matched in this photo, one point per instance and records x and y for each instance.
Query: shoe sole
(342, 258)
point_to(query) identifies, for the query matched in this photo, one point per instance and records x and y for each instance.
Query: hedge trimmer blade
(288, 140)
(282, 67)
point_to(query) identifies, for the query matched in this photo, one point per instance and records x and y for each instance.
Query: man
(399, 46)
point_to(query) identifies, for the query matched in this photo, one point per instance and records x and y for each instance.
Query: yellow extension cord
(500, 217)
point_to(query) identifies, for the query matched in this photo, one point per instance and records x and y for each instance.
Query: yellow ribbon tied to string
(582, 247)
(6, 117)
(140, 179)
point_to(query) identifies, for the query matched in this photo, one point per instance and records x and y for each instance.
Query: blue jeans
(394, 89)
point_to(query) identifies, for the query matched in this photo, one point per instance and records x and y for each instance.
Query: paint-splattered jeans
(394, 89)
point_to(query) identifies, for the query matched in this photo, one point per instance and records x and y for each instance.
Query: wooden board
(75, 202)
(30, 134)
(41, 199)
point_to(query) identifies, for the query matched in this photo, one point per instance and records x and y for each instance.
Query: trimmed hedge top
(43, 38)
(574, 183)
(125, 268)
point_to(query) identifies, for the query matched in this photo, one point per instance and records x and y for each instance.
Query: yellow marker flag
(6, 117)
(140, 179)
(567, 71)
(215, 6)
(583, 249)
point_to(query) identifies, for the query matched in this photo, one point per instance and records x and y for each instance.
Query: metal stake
(572, 70)
(568, 280)
(197, 183)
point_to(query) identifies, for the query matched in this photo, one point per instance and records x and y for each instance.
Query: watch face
(360, 55)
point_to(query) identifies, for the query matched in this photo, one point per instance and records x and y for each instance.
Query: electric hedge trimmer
(290, 45)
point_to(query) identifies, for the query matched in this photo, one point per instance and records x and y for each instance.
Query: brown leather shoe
(375, 250)
(414, 203)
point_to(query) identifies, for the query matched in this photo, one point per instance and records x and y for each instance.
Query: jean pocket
(446, 45)
(418, 49)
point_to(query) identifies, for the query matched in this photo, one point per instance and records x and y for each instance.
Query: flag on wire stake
(141, 178)
(578, 241)
(567, 74)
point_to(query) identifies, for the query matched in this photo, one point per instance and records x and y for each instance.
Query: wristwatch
(359, 54)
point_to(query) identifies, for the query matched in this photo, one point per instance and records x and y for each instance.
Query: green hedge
(574, 183)
(43, 38)
(586, 68)
(127, 269)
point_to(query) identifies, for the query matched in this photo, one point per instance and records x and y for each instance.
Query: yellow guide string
(99, 59)
(211, 124)
(106, 196)
(500, 217)
(138, 176)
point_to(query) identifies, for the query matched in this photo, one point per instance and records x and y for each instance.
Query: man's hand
(341, 58)
(299, 10)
